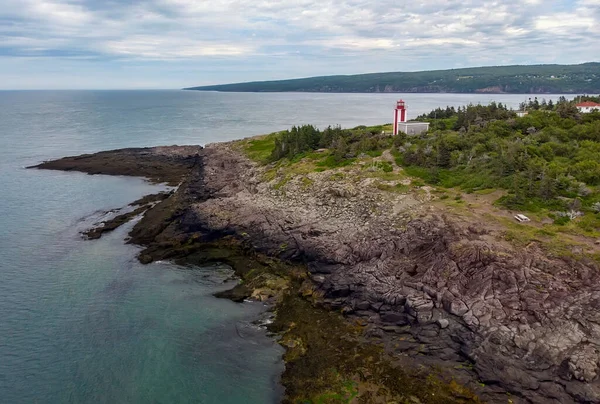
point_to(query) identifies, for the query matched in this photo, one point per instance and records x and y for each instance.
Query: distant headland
(519, 79)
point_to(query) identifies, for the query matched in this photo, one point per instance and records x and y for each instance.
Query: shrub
(562, 220)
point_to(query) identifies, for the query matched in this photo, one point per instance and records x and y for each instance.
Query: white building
(588, 106)
(413, 127)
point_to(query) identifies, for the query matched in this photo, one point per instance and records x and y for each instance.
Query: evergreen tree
(443, 155)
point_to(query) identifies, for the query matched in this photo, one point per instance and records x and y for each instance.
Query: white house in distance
(588, 106)
(401, 125)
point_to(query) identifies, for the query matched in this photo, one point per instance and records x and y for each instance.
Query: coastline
(331, 249)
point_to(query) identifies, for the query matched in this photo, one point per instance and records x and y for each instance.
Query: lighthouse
(402, 125)
(399, 114)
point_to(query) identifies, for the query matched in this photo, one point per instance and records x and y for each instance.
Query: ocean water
(84, 322)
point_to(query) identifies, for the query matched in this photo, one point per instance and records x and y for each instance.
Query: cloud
(263, 39)
(159, 47)
(564, 21)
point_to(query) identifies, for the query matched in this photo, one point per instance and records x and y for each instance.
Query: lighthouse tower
(399, 115)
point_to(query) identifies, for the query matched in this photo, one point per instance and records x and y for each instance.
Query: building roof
(588, 104)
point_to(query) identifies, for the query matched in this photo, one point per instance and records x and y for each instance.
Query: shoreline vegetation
(536, 79)
(394, 265)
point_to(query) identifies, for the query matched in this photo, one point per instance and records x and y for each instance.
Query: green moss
(338, 176)
(401, 188)
(287, 170)
(306, 182)
(398, 188)
(383, 187)
(348, 391)
(281, 183)
(486, 191)
(384, 166)
(382, 175)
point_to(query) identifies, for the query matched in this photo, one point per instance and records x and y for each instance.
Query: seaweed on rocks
(329, 359)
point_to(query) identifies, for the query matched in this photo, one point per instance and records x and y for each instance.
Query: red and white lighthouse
(399, 114)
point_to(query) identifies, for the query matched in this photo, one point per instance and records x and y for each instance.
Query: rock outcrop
(167, 164)
(429, 284)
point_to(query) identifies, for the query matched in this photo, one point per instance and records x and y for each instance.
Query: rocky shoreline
(426, 285)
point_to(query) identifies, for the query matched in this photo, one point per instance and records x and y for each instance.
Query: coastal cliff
(431, 283)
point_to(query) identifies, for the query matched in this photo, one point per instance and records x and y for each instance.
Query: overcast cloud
(178, 43)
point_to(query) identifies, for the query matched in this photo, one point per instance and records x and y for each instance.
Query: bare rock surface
(159, 164)
(429, 284)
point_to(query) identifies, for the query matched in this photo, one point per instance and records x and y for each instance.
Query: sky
(114, 44)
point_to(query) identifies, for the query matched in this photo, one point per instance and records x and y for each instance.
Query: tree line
(341, 143)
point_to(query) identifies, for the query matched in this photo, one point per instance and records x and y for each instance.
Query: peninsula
(534, 79)
(394, 264)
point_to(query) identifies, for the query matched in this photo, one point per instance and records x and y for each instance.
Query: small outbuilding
(413, 127)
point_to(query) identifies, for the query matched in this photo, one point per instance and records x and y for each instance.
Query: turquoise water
(83, 321)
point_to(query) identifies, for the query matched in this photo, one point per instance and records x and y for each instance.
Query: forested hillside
(537, 79)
